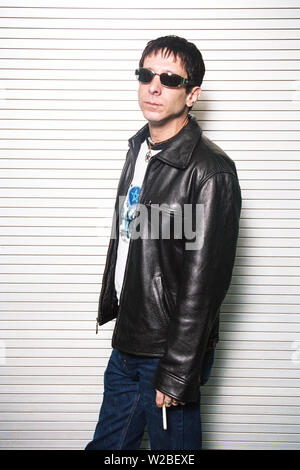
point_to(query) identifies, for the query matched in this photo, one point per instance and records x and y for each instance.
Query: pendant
(148, 156)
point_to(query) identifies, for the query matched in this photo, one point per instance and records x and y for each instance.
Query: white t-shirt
(127, 214)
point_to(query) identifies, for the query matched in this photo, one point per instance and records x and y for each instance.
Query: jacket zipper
(98, 318)
(167, 210)
(129, 248)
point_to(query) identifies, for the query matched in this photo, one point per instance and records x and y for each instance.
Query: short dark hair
(190, 56)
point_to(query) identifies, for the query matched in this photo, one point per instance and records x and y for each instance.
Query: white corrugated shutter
(67, 107)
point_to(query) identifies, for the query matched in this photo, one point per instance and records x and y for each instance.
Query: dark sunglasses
(171, 80)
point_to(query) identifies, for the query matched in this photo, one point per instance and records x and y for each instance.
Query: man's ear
(193, 96)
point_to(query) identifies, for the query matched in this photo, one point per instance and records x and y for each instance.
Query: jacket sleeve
(206, 276)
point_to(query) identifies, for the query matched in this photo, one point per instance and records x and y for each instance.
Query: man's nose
(155, 85)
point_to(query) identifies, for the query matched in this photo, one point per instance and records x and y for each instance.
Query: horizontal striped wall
(67, 107)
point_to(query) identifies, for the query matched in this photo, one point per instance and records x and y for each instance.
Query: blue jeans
(129, 406)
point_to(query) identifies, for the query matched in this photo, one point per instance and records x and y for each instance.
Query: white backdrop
(67, 107)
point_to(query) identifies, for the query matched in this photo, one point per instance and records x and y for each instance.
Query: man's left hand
(162, 398)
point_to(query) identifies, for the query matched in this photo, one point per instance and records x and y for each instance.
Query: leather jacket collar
(180, 147)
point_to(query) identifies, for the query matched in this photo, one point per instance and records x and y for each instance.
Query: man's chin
(156, 119)
(153, 118)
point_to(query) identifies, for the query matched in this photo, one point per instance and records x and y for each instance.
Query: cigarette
(164, 416)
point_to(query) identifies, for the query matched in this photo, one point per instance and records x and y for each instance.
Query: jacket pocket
(160, 300)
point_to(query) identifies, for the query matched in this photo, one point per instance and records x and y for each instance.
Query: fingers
(176, 403)
(168, 401)
(160, 397)
(163, 399)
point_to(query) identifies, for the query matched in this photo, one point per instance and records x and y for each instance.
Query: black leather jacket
(171, 296)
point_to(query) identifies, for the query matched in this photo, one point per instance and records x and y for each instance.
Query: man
(165, 291)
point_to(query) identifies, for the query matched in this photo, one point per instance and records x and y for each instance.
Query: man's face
(158, 103)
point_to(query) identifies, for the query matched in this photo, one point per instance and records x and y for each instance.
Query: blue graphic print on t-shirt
(128, 212)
